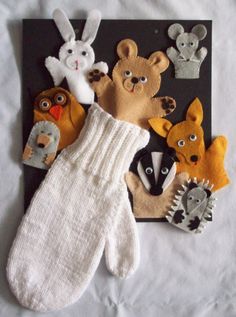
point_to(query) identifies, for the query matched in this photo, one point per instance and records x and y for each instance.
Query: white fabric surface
(180, 274)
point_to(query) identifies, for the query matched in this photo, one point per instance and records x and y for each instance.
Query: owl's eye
(84, 53)
(70, 51)
(148, 170)
(60, 99)
(143, 79)
(45, 104)
(164, 170)
(181, 143)
(128, 73)
(193, 137)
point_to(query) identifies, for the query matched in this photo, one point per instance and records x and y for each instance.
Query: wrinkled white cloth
(179, 274)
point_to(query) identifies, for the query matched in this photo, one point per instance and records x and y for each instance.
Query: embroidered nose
(156, 191)
(134, 80)
(194, 158)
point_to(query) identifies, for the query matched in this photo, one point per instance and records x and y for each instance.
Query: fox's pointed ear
(195, 112)
(160, 126)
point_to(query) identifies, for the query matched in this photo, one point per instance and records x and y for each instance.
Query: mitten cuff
(106, 146)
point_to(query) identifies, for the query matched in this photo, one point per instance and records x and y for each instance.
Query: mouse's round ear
(159, 60)
(200, 31)
(64, 26)
(175, 30)
(127, 48)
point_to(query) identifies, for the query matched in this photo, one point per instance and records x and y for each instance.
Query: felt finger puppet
(187, 139)
(146, 205)
(41, 148)
(154, 187)
(76, 58)
(81, 209)
(192, 207)
(129, 95)
(60, 107)
(187, 59)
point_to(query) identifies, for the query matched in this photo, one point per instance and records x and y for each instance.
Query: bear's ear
(127, 48)
(195, 112)
(159, 60)
(160, 126)
(175, 30)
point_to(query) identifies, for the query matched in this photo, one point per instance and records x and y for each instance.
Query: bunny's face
(77, 55)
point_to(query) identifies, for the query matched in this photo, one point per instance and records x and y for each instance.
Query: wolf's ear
(159, 60)
(160, 126)
(195, 112)
(127, 48)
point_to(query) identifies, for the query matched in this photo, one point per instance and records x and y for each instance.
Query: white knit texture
(80, 208)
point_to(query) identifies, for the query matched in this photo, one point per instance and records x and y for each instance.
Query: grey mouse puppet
(187, 59)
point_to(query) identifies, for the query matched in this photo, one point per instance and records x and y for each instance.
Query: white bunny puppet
(76, 58)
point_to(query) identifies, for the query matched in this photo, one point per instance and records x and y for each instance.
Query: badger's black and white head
(157, 171)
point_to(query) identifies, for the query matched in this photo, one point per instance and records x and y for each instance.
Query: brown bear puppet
(135, 80)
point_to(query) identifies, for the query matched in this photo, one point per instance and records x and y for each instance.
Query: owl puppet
(60, 107)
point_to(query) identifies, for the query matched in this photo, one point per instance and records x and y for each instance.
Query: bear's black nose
(194, 158)
(134, 80)
(41, 145)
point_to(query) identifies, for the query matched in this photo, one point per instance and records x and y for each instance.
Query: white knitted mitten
(80, 208)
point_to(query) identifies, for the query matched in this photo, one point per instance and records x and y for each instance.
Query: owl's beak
(56, 111)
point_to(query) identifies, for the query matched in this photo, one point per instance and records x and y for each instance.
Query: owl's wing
(77, 115)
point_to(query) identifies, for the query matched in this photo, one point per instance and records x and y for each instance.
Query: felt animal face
(157, 171)
(185, 137)
(193, 206)
(42, 144)
(137, 75)
(53, 102)
(77, 55)
(76, 58)
(60, 107)
(187, 43)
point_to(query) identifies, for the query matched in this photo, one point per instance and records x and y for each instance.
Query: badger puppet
(157, 184)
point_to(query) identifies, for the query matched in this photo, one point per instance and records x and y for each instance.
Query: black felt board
(41, 39)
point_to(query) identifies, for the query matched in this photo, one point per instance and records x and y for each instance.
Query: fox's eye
(164, 170)
(84, 53)
(181, 143)
(193, 137)
(128, 73)
(70, 51)
(148, 170)
(143, 79)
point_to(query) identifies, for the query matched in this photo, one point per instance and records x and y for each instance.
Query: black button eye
(191, 43)
(84, 53)
(190, 198)
(164, 170)
(148, 170)
(69, 51)
(182, 44)
(128, 73)
(193, 137)
(143, 79)
(49, 133)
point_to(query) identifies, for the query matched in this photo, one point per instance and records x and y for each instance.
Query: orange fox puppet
(187, 138)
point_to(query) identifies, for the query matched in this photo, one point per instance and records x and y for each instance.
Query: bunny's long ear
(64, 26)
(91, 26)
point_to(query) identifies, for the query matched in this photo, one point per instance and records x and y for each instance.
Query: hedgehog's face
(197, 197)
(44, 134)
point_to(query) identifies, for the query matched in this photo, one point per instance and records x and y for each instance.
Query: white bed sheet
(180, 274)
